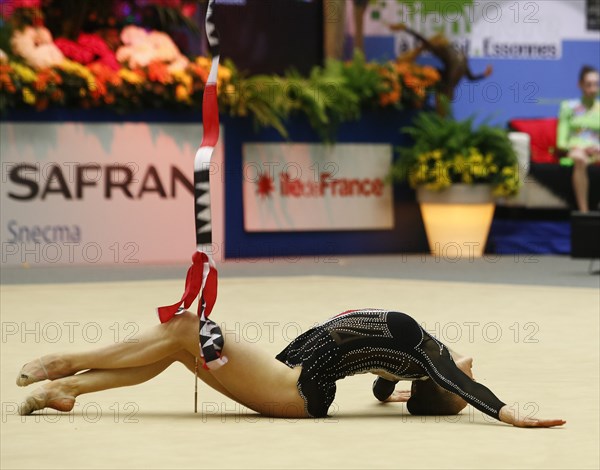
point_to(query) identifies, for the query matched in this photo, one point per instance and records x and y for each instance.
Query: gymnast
(298, 383)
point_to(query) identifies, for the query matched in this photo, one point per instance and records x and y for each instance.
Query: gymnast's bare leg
(252, 376)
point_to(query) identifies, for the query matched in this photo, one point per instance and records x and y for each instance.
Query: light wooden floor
(534, 346)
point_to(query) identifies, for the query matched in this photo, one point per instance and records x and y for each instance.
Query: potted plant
(457, 170)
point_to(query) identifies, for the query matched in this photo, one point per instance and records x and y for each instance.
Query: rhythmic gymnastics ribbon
(201, 277)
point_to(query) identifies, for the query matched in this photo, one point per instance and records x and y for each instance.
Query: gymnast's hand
(398, 396)
(509, 416)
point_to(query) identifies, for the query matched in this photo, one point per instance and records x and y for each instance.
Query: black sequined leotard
(389, 344)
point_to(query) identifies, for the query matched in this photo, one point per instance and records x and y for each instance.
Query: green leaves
(326, 98)
(447, 151)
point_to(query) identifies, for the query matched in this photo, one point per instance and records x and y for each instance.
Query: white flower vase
(457, 219)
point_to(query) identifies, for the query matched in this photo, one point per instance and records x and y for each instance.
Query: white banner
(509, 29)
(295, 187)
(117, 193)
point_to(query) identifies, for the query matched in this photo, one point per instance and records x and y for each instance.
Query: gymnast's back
(387, 343)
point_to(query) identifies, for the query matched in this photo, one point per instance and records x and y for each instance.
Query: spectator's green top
(578, 126)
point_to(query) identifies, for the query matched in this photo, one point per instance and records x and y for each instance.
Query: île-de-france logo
(264, 185)
(321, 185)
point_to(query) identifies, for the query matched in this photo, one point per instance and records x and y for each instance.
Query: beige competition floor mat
(535, 347)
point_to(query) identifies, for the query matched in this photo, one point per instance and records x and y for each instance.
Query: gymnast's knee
(181, 325)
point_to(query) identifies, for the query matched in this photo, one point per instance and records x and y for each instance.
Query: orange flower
(393, 93)
(389, 98)
(200, 73)
(6, 83)
(430, 73)
(42, 80)
(105, 74)
(158, 72)
(45, 78)
(181, 93)
(99, 91)
(402, 67)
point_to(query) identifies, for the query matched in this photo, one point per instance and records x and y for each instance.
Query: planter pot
(458, 219)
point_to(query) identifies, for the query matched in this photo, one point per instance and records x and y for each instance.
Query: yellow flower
(423, 157)
(479, 171)
(475, 156)
(184, 78)
(23, 72)
(203, 62)
(459, 163)
(181, 93)
(130, 77)
(81, 71)
(223, 74)
(28, 96)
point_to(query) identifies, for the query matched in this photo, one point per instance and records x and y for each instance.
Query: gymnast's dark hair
(585, 70)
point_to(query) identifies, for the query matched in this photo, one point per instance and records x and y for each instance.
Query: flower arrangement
(331, 94)
(136, 68)
(446, 152)
(407, 82)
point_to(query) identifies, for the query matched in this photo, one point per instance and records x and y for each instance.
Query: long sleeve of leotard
(440, 367)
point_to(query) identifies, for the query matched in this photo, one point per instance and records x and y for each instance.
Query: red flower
(7, 7)
(88, 48)
(74, 51)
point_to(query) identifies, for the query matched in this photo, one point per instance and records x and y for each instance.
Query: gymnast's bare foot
(53, 395)
(49, 367)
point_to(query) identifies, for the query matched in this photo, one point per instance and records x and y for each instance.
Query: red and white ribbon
(201, 278)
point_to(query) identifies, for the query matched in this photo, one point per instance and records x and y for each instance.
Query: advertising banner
(522, 30)
(300, 187)
(110, 193)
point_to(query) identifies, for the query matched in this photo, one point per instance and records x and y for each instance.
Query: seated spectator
(579, 133)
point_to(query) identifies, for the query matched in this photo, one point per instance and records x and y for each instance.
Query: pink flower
(36, 47)
(142, 48)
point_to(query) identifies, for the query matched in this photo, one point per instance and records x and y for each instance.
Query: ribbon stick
(201, 278)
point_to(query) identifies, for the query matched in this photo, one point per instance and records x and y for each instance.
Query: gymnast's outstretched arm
(442, 369)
